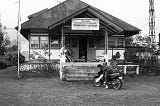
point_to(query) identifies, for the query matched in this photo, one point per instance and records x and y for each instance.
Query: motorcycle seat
(114, 74)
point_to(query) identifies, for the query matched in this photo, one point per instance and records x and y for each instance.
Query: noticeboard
(85, 24)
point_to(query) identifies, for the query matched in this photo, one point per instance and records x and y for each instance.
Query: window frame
(122, 44)
(39, 35)
(59, 42)
(34, 40)
(116, 45)
(40, 46)
(114, 42)
(100, 44)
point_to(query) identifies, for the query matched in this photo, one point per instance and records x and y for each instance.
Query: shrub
(3, 63)
(12, 58)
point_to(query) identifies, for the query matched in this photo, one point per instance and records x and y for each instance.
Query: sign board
(85, 24)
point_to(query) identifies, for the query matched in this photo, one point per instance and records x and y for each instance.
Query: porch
(88, 70)
(72, 70)
(91, 46)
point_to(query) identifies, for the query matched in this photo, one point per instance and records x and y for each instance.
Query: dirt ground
(50, 91)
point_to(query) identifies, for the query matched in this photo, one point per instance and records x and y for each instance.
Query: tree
(4, 40)
(2, 49)
(137, 45)
(14, 48)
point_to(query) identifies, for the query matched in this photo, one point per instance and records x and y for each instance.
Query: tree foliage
(4, 41)
(1, 41)
(12, 58)
(137, 45)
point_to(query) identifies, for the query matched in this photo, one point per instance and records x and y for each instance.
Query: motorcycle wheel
(117, 84)
(97, 84)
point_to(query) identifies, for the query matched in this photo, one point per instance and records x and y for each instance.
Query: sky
(135, 12)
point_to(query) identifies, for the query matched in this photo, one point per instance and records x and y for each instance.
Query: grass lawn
(49, 90)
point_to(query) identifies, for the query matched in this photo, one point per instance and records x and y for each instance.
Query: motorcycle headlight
(120, 77)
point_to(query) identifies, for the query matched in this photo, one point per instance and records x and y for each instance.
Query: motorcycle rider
(109, 70)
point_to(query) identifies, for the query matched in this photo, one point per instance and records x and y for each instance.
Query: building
(87, 30)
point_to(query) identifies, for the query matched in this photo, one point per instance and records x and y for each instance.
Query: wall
(55, 54)
(91, 53)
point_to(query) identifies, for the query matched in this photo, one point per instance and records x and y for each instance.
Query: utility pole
(151, 22)
(18, 33)
(153, 64)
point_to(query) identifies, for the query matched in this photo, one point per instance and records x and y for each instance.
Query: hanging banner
(85, 24)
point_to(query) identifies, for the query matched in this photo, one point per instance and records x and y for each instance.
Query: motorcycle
(115, 80)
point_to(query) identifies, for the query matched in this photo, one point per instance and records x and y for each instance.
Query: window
(38, 42)
(111, 42)
(100, 44)
(120, 42)
(115, 42)
(43, 41)
(34, 42)
(55, 42)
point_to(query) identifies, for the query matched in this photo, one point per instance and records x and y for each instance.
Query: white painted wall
(55, 54)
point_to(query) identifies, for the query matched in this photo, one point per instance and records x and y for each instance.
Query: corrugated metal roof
(55, 14)
(66, 9)
(37, 13)
(124, 25)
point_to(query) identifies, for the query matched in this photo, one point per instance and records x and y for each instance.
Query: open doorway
(83, 47)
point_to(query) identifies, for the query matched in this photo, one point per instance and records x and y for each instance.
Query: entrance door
(83, 47)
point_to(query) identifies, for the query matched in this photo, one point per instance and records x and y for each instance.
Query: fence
(38, 67)
(145, 57)
(128, 69)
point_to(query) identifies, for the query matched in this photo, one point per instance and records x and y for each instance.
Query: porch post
(62, 36)
(106, 46)
(49, 40)
(29, 45)
(62, 54)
